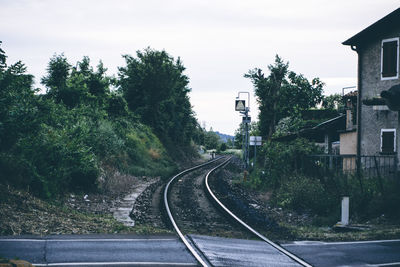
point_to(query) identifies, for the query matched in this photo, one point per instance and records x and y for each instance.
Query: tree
(223, 147)
(18, 110)
(211, 139)
(282, 93)
(76, 85)
(253, 128)
(156, 89)
(56, 79)
(229, 143)
(334, 102)
(59, 141)
(3, 59)
(238, 139)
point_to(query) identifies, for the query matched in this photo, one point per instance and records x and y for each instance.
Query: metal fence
(371, 166)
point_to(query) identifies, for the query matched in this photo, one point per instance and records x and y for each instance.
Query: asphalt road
(239, 252)
(132, 250)
(369, 253)
(98, 250)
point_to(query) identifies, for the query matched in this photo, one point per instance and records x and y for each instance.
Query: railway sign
(246, 119)
(240, 105)
(255, 140)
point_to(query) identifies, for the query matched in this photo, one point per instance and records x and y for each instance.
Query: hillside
(89, 125)
(225, 137)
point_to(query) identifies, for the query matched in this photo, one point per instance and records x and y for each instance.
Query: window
(390, 58)
(388, 141)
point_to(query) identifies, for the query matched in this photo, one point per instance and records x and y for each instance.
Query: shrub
(52, 163)
(222, 147)
(302, 193)
(279, 160)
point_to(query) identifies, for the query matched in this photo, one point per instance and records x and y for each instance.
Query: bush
(373, 200)
(51, 163)
(222, 147)
(279, 160)
(301, 194)
(294, 187)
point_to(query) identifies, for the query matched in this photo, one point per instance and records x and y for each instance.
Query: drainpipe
(359, 103)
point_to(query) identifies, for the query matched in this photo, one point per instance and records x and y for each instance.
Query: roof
(351, 94)
(333, 125)
(379, 27)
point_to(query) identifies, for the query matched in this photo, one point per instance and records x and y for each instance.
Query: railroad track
(192, 206)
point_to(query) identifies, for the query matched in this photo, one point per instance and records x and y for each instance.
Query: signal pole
(240, 105)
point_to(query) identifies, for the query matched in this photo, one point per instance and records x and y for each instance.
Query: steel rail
(181, 236)
(276, 246)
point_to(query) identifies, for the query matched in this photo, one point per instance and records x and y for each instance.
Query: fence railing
(370, 166)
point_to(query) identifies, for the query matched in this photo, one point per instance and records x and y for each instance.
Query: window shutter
(388, 142)
(389, 58)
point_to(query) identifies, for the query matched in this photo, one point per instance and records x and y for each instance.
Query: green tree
(95, 84)
(155, 87)
(18, 111)
(76, 85)
(223, 147)
(253, 128)
(238, 137)
(211, 139)
(58, 71)
(229, 143)
(282, 93)
(199, 135)
(117, 105)
(334, 102)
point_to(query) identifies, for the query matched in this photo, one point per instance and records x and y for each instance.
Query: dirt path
(122, 212)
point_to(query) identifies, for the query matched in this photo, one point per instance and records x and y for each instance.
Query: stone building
(378, 122)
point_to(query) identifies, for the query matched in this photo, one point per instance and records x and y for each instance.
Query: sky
(217, 40)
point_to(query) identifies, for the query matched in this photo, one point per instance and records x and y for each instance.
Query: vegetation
(65, 139)
(281, 94)
(333, 102)
(156, 89)
(287, 104)
(303, 185)
(278, 160)
(211, 140)
(239, 133)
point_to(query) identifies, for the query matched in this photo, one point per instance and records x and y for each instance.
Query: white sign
(240, 105)
(255, 141)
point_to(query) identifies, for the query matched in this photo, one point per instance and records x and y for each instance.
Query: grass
(373, 232)
(21, 213)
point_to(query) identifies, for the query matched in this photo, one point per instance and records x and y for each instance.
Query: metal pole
(255, 154)
(246, 144)
(243, 142)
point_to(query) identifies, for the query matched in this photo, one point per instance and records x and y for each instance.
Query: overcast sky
(218, 41)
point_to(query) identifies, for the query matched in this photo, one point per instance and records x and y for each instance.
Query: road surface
(167, 250)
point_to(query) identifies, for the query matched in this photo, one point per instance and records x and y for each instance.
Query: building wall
(348, 143)
(375, 118)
